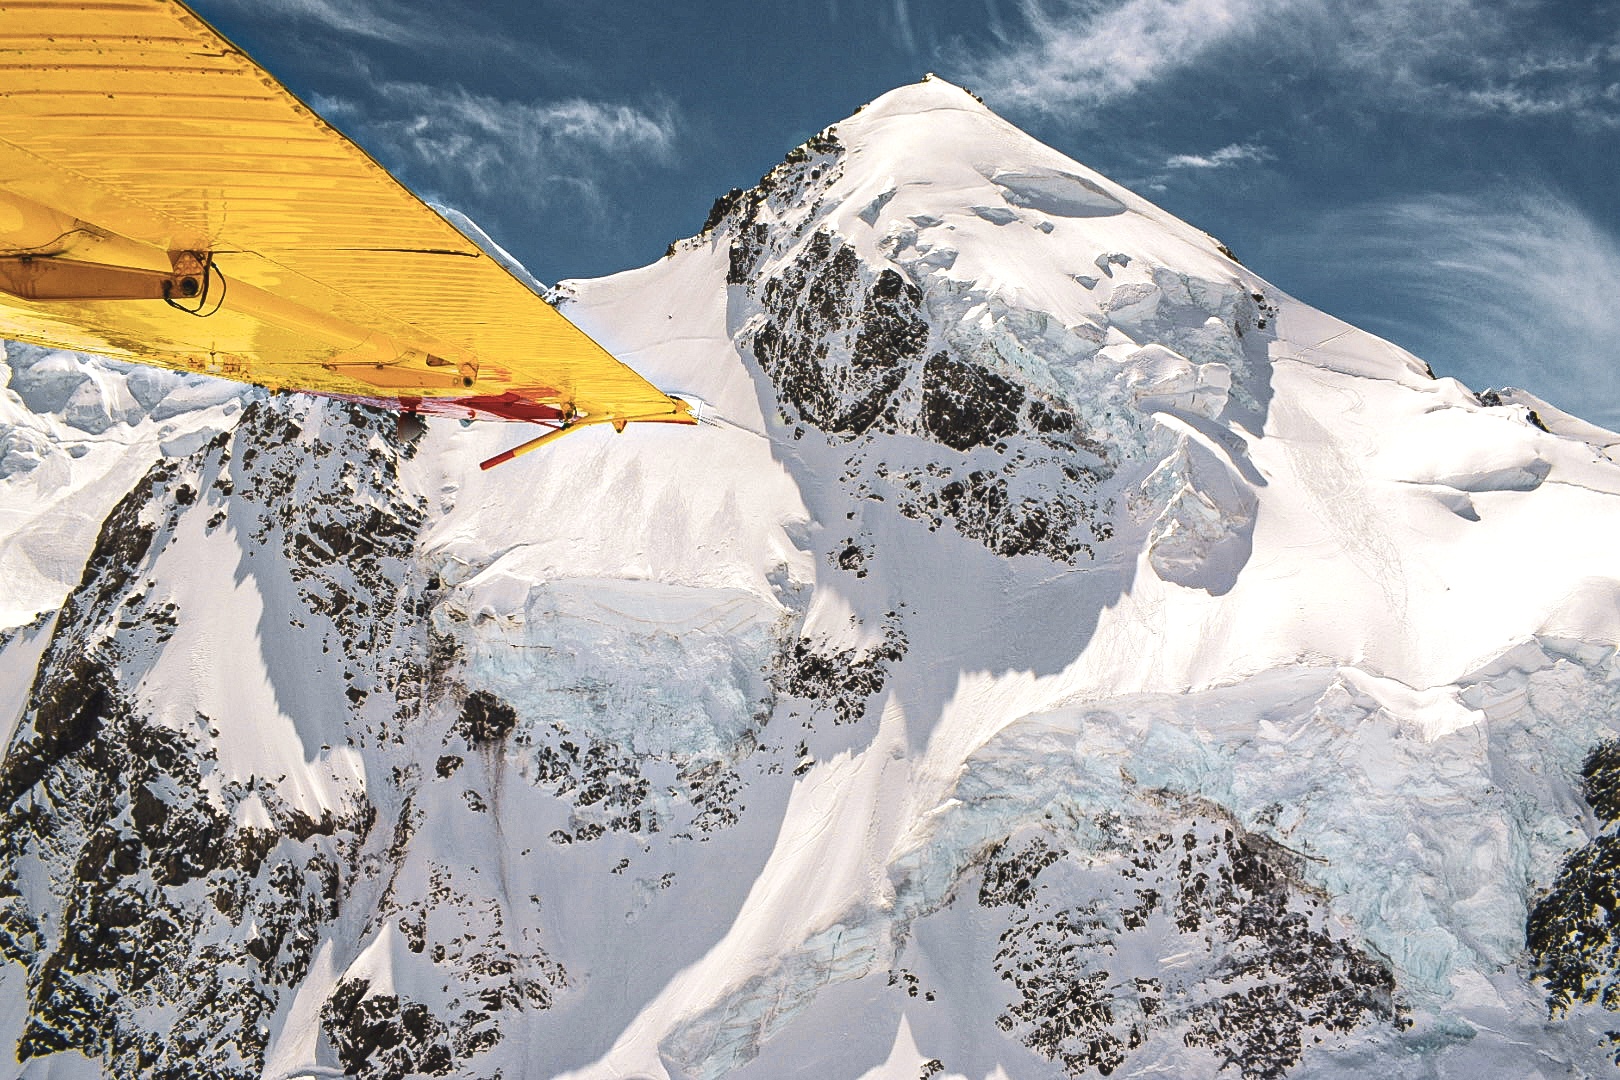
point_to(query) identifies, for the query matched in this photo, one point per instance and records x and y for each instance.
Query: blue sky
(1441, 172)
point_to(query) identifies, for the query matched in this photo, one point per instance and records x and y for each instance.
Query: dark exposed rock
(129, 934)
(444, 653)
(965, 405)
(1573, 932)
(381, 1037)
(1061, 525)
(485, 719)
(1048, 418)
(70, 696)
(840, 681)
(812, 163)
(164, 902)
(890, 331)
(722, 208)
(608, 793)
(910, 985)
(846, 346)
(835, 355)
(72, 700)
(487, 970)
(714, 790)
(1600, 780)
(1275, 971)
(606, 787)
(1009, 874)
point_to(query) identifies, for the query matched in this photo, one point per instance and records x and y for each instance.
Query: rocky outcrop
(182, 901)
(1266, 976)
(876, 351)
(836, 681)
(851, 352)
(1573, 932)
(838, 350)
(380, 1037)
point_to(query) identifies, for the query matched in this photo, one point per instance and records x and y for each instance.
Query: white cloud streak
(1509, 287)
(902, 25)
(361, 18)
(1085, 52)
(1461, 56)
(529, 152)
(530, 127)
(1233, 154)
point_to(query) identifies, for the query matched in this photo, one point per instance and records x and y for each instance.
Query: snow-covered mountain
(1060, 652)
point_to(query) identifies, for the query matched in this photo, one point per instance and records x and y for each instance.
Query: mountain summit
(1059, 651)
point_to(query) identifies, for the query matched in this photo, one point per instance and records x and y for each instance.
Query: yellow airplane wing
(163, 199)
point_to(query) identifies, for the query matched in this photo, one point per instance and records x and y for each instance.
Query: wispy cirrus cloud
(532, 127)
(361, 18)
(1572, 82)
(529, 153)
(1464, 56)
(902, 25)
(1087, 52)
(344, 31)
(1509, 285)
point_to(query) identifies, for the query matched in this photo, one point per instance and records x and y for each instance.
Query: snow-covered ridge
(75, 434)
(1063, 651)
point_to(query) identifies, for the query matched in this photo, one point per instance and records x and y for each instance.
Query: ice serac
(1060, 651)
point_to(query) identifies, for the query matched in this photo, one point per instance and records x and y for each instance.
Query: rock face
(880, 344)
(1571, 933)
(1272, 974)
(1063, 653)
(178, 888)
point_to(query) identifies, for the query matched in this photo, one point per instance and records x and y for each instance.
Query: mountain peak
(926, 95)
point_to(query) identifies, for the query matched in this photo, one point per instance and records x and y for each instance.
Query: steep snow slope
(1060, 651)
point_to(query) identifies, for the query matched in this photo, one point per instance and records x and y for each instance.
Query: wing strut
(682, 416)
